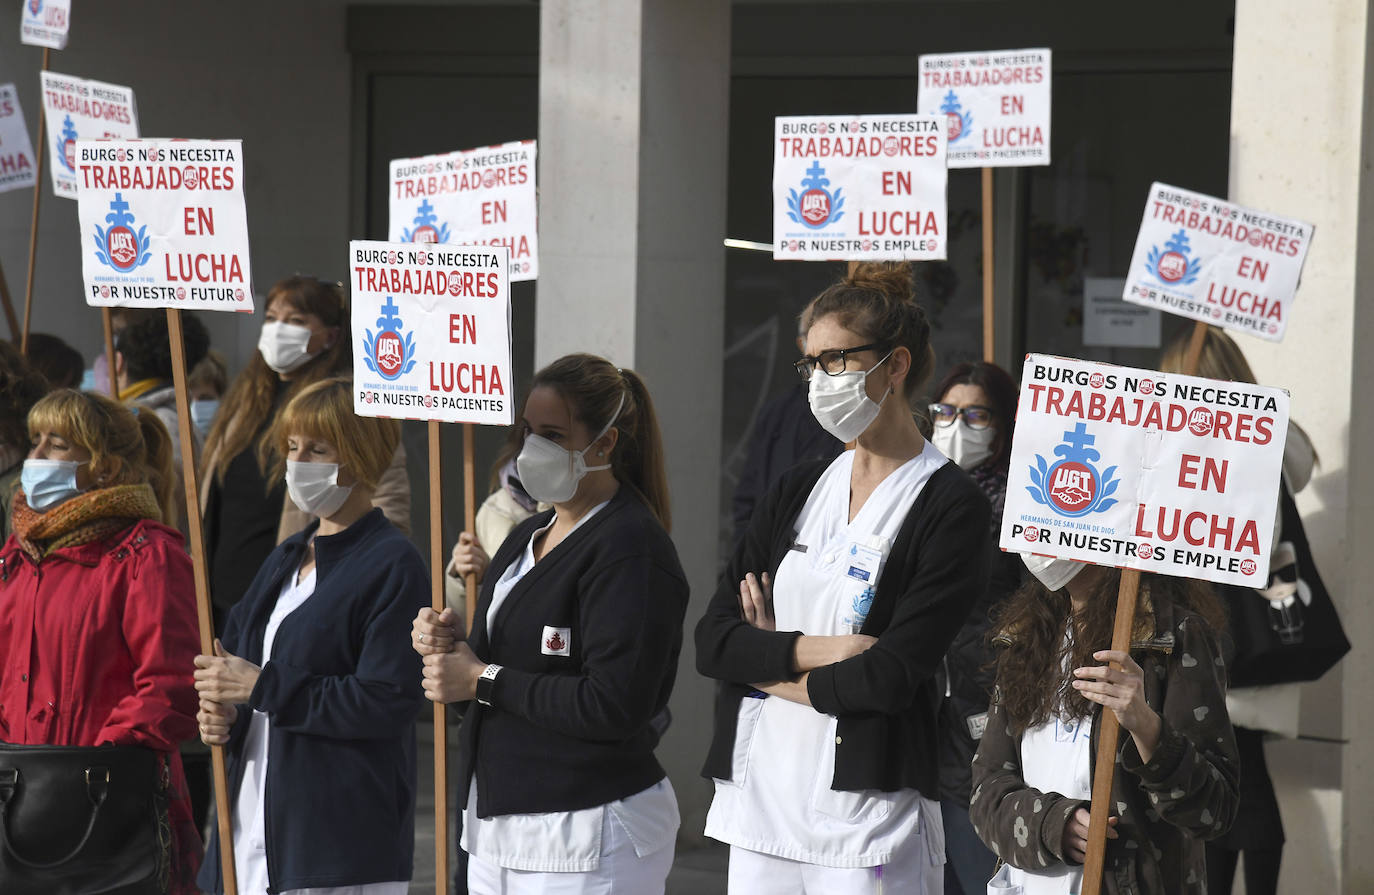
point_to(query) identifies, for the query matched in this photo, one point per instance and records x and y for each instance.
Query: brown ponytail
(594, 388)
(877, 300)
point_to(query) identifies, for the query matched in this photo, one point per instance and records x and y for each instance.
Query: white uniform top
(780, 800)
(563, 841)
(1056, 757)
(250, 833)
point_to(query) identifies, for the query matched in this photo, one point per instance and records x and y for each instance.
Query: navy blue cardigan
(343, 693)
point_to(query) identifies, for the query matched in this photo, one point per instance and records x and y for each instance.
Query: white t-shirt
(563, 841)
(780, 800)
(250, 824)
(1056, 757)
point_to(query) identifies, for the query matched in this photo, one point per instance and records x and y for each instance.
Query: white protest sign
(16, 152)
(475, 197)
(78, 109)
(44, 23)
(859, 188)
(1132, 468)
(432, 331)
(1214, 261)
(163, 224)
(1109, 321)
(997, 105)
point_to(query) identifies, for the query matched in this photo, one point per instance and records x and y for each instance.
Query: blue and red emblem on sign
(815, 206)
(1173, 267)
(1072, 485)
(35, 6)
(391, 352)
(959, 124)
(66, 145)
(120, 247)
(427, 227)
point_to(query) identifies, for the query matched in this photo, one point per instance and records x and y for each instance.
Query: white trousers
(911, 872)
(621, 872)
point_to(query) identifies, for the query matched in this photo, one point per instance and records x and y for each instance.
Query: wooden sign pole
(1105, 760)
(470, 512)
(108, 325)
(202, 580)
(988, 349)
(437, 571)
(33, 227)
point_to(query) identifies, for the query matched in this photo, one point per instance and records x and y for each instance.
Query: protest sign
(163, 224)
(78, 109)
(997, 105)
(432, 324)
(481, 196)
(1132, 468)
(1217, 262)
(44, 23)
(16, 152)
(1108, 321)
(859, 188)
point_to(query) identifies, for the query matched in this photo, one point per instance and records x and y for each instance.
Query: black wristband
(486, 683)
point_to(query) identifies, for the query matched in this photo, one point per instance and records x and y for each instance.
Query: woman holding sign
(312, 687)
(573, 653)
(832, 619)
(1176, 784)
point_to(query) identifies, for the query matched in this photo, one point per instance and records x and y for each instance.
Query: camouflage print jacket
(1168, 806)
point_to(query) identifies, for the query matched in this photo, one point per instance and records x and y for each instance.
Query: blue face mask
(203, 414)
(47, 483)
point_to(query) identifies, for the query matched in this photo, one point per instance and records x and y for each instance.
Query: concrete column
(633, 126)
(1299, 146)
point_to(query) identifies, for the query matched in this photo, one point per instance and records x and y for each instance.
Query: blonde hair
(324, 410)
(126, 447)
(1221, 357)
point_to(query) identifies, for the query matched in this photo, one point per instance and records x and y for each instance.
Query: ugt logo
(425, 231)
(959, 121)
(391, 352)
(35, 6)
(816, 206)
(1072, 486)
(66, 145)
(1173, 267)
(119, 247)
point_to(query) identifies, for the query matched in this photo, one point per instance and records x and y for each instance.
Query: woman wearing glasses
(832, 618)
(973, 418)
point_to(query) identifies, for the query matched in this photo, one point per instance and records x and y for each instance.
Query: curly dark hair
(21, 387)
(1033, 676)
(147, 348)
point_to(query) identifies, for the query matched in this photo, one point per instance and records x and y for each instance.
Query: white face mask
(1051, 572)
(550, 473)
(966, 447)
(315, 488)
(283, 345)
(841, 403)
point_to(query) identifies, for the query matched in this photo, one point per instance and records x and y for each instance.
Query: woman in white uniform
(573, 653)
(833, 616)
(312, 687)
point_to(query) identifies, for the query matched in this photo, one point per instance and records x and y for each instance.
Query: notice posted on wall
(859, 188)
(45, 23)
(481, 196)
(17, 168)
(431, 324)
(996, 103)
(1215, 261)
(163, 224)
(1110, 322)
(1141, 470)
(78, 109)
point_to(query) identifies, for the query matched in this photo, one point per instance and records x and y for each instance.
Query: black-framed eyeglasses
(975, 415)
(831, 362)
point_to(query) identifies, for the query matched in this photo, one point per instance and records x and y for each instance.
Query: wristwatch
(486, 682)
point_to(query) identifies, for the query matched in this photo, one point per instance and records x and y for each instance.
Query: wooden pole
(10, 316)
(470, 511)
(437, 566)
(202, 580)
(33, 226)
(108, 324)
(1109, 735)
(988, 349)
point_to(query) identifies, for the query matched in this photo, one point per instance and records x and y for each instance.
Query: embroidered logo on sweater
(556, 641)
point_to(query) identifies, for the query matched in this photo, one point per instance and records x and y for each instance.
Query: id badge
(862, 564)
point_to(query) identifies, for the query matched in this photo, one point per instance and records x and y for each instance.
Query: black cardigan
(885, 699)
(571, 732)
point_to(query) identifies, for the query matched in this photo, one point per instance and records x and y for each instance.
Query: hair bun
(892, 278)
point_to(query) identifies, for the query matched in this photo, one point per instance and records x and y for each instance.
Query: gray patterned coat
(1168, 806)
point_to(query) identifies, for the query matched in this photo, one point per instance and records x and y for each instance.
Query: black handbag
(83, 820)
(1289, 632)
